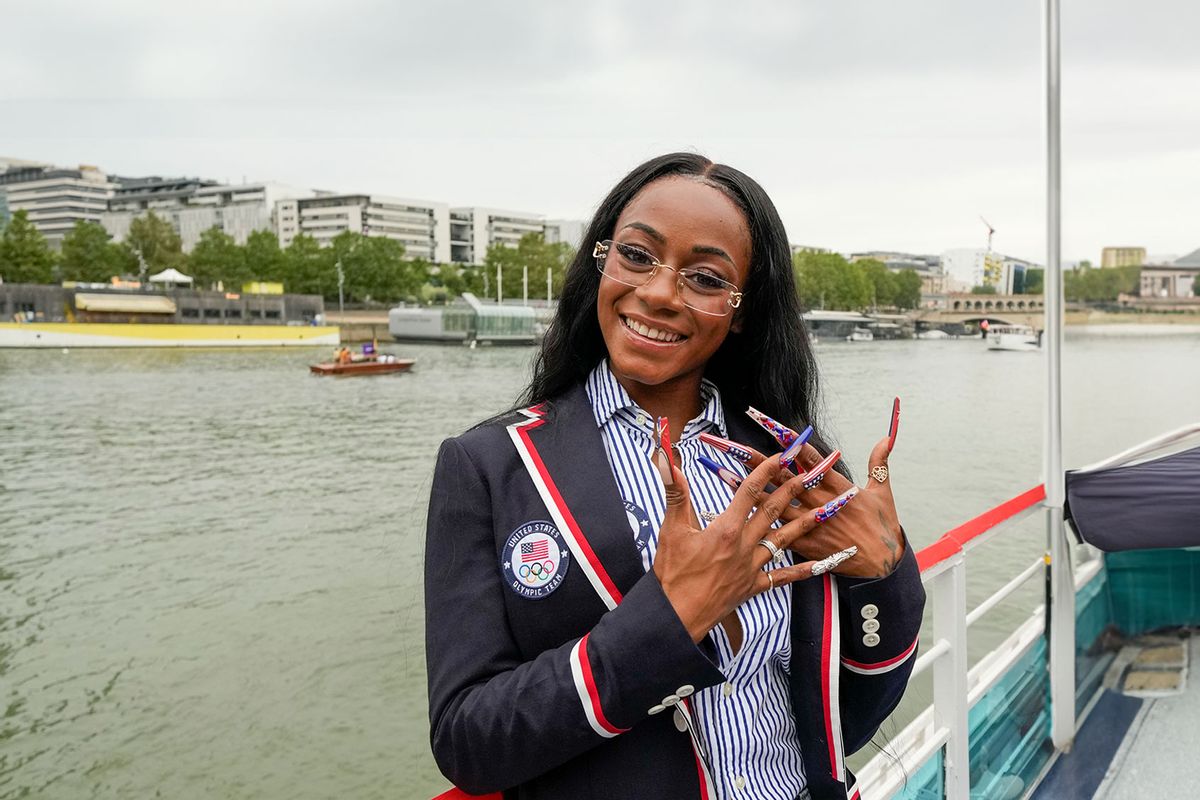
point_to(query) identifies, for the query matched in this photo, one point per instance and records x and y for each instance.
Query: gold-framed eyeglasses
(699, 288)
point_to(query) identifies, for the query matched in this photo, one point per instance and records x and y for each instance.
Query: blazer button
(870, 625)
(870, 611)
(687, 690)
(871, 639)
(670, 700)
(656, 710)
(680, 721)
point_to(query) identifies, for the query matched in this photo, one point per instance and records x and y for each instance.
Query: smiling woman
(587, 635)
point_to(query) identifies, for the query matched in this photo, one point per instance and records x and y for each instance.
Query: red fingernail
(895, 424)
(663, 429)
(725, 446)
(814, 475)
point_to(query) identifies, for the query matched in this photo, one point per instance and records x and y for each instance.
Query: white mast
(1062, 581)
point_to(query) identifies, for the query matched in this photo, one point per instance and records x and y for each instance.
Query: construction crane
(991, 230)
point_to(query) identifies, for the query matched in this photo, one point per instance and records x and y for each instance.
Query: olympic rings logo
(538, 570)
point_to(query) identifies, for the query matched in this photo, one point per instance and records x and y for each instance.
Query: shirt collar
(608, 396)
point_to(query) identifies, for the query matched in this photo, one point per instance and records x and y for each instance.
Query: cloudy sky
(873, 124)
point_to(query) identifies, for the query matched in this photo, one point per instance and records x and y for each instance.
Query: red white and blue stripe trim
(585, 556)
(880, 667)
(831, 640)
(589, 695)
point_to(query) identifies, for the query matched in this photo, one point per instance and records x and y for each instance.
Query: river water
(210, 562)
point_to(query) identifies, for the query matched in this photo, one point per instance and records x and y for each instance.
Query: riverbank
(372, 325)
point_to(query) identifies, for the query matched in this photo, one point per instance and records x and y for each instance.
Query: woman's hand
(706, 574)
(869, 521)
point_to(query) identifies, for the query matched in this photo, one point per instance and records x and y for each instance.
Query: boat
(379, 365)
(1017, 338)
(860, 335)
(933, 334)
(130, 315)
(470, 321)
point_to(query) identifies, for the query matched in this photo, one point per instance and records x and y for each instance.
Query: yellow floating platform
(105, 334)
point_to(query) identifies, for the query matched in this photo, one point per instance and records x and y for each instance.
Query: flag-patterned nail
(814, 476)
(782, 433)
(662, 429)
(727, 476)
(725, 446)
(834, 506)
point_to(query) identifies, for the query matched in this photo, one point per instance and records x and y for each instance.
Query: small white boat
(1019, 338)
(935, 333)
(861, 335)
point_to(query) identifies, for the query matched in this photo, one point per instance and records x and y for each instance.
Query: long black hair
(769, 364)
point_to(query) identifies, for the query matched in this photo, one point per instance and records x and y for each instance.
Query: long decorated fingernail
(835, 505)
(727, 476)
(826, 564)
(894, 426)
(663, 464)
(782, 433)
(662, 430)
(814, 476)
(725, 446)
(787, 459)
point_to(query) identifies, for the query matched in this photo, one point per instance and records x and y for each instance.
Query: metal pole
(525, 285)
(1062, 582)
(341, 283)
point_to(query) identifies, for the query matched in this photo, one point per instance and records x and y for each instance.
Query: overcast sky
(872, 124)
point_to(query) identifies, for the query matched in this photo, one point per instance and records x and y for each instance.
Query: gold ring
(770, 580)
(879, 473)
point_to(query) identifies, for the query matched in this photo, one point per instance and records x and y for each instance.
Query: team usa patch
(639, 521)
(535, 560)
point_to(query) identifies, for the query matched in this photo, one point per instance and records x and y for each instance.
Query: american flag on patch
(535, 551)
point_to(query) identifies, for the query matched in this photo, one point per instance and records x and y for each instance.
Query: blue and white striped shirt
(746, 724)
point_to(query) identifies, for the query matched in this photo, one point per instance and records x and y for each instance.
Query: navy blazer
(549, 697)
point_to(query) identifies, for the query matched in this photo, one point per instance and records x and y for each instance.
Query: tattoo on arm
(891, 544)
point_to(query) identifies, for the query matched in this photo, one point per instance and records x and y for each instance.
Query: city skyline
(871, 127)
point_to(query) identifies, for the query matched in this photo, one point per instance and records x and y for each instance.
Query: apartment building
(473, 230)
(55, 198)
(192, 206)
(421, 226)
(1122, 256)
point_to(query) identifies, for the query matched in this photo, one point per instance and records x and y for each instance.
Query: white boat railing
(956, 686)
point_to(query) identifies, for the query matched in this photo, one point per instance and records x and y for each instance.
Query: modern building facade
(473, 230)
(421, 226)
(1122, 256)
(192, 206)
(565, 230)
(55, 198)
(966, 268)
(1178, 279)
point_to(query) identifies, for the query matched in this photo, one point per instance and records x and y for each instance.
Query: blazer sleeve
(498, 719)
(880, 622)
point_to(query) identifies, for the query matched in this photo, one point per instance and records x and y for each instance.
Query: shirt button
(871, 639)
(670, 700)
(870, 611)
(656, 710)
(870, 625)
(680, 721)
(739, 782)
(727, 689)
(686, 690)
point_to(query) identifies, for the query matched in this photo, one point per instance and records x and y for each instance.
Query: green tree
(88, 255)
(217, 257)
(827, 280)
(264, 259)
(1035, 281)
(908, 289)
(24, 255)
(882, 281)
(534, 252)
(987, 288)
(309, 268)
(157, 241)
(1087, 284)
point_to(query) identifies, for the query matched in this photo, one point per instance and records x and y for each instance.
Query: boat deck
(1131, 746)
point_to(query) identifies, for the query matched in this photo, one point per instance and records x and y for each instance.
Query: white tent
(171, 275)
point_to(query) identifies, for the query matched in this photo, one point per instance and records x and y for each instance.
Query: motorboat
(380, 364)
(861, 335)
(1018, 338)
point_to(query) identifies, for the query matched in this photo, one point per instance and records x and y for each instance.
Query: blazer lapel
(564, 455)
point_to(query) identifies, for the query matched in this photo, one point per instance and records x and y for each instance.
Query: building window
(212, 313)
(272, 313)
(191, 313)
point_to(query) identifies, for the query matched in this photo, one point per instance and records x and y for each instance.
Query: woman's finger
(679, 511)
(878, 475)
(782, 576)
(752, 489)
